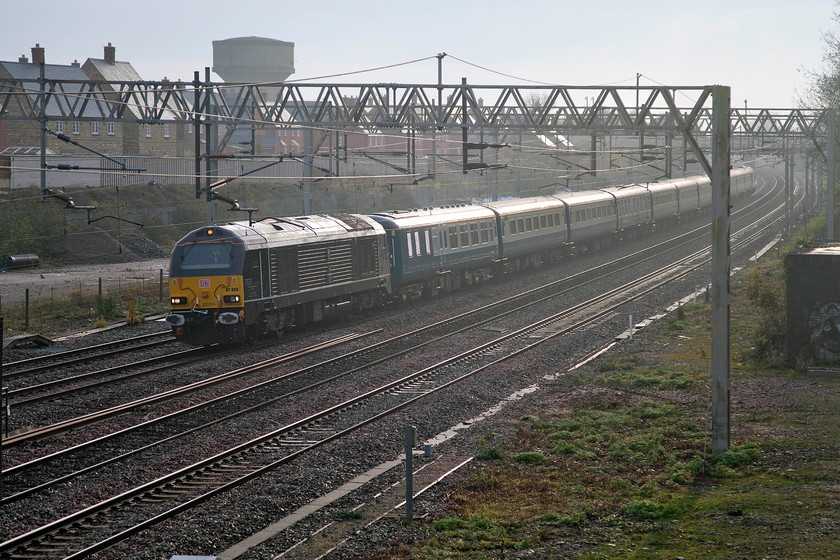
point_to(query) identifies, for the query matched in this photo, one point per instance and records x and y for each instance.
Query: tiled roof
(26, 71)
(117, 72)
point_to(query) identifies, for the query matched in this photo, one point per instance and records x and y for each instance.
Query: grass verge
(622, 466)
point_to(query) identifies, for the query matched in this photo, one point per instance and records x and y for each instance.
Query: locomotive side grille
(322, 265)
(283, 271)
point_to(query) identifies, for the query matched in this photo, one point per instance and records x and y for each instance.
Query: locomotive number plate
(203, 283)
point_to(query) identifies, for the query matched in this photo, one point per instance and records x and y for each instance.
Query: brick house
(149, 139)
(109, 137)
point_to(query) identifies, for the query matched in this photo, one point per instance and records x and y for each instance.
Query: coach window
(453, 237)
(473, 234)
(485, 236)
(521, 225)
(528, 226)
(428, 242)
(513, 227)
(465, 236)
(543, 221)
(417, 243)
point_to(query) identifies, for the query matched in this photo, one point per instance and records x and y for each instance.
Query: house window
(59, 127)
(94, 127)
(166, 131)
(148, 131)
(111, 128)
(76, 127)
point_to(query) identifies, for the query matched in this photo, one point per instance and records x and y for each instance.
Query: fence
(67, 306)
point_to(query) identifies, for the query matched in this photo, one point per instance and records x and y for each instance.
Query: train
(240, 281)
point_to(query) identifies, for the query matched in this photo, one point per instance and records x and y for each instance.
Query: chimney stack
(37, 54)
(75, 64)
(23, 59)
(110, 54)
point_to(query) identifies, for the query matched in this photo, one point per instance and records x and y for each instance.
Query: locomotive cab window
(207, 256)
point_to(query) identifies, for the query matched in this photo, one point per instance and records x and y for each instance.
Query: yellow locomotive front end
(206, 288)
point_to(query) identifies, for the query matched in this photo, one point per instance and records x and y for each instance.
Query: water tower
(253, 59)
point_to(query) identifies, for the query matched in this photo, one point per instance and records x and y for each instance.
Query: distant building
(148, 139)
(105, 136)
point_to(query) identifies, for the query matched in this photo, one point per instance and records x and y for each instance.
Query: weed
(346, 515)
(736, 456)
(574, 519)
(529, 458)
(644, 509)
(489, 453)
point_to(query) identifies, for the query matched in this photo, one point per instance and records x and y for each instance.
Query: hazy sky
(757, 47)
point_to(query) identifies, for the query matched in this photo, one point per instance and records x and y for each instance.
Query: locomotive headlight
(178, 301)
(232, 299)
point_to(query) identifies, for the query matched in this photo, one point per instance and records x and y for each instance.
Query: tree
(824, 90)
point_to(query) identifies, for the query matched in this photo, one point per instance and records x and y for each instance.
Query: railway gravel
(224, 521)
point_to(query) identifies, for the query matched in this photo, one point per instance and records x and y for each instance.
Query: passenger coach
(440, 248)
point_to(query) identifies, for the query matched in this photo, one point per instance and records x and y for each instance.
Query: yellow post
(132, 311)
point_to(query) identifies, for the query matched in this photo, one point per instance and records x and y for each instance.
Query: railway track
(31, 367)
(416, 339)
(199, 482)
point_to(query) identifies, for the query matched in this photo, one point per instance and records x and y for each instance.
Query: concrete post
(829, 203)
(720, 268)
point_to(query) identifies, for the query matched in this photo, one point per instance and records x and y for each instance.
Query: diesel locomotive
(238, 281)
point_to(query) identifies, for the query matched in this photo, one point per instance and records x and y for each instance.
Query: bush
(106, 308)
(768, 297)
